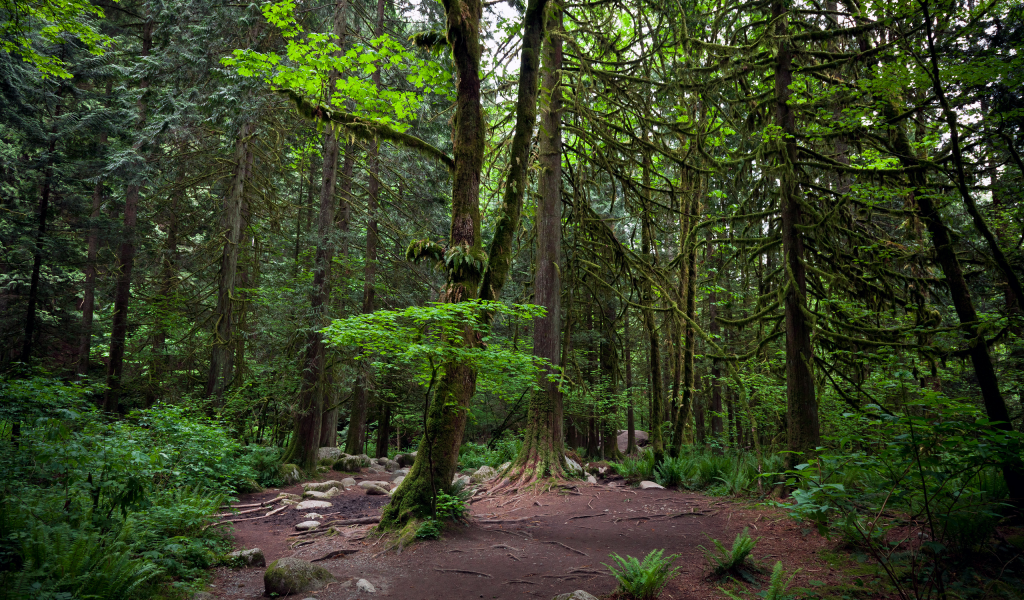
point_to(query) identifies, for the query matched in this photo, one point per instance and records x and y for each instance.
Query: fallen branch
(570, 549)
(335, 554)
(244, 512)
(501, 521)
(269, 514)
(359, 521)
(512, 557)
(511, 581)
(506, 547)
(588, 516)
(638, 517)
(463, 572)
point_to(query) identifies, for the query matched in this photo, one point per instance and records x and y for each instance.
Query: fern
(777, 587)
(643, 580)
(733, 560)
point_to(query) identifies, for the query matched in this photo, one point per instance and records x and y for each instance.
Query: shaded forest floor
(548, 544)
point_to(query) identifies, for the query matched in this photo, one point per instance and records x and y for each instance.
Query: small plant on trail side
(672, 471)
(643, 580)
(733, 560)
(777, 588)
(429, 529)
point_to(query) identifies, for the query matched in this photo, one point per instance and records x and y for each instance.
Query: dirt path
(557, 544)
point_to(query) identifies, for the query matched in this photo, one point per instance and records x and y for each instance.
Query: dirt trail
(556, 544)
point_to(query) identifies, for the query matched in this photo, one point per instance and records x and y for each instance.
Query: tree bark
(656, 438)
(438, 454)
(802, 429)
(89, 288)
(222, 353)
(125, 260)
(37, 260)
(316, 376)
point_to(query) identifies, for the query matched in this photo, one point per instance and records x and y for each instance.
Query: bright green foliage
(474, 456)
(54, 22)
(671, 471)
(310, 58)
(429, 529)
(636, 468)
(643, 580)
(725, 561)
(425, 338)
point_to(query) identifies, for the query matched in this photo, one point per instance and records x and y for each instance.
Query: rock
(288, 502)
(288, 496)
(323, 469)
(377, 470)
(391, 466)
(365, 586)
(348, 463)
(402, 472)
(294, 576)
(364, 460)
(406, 460)
(290, 473)
(253, 557)
(463, 478)
(376, 490)
(398, 481)
(577, 595)
(369, 484)
(348, 482)
(307, 525)
(312, 505)
(320, 486)
(602, 471)
(483, 474)
(650, 485)
(623, 438)
(329, 453)
(591, 479)
(573, 465)
(505, 465)
(316, 495)
(312, 516)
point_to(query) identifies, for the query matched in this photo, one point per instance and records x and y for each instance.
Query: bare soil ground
(540, 546)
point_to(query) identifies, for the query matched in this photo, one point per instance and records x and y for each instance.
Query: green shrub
(451, 507)
(725, 561)
(672, 471)
(429, 529)
(643, 580)
(778, 587)
(638, 468)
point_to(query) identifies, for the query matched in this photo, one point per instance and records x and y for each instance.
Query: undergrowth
(642, 580)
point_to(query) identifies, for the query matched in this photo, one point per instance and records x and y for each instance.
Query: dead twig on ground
(336, 554)
(570, 549)
(463, 572)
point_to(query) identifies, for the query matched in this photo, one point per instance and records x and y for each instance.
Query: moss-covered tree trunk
(802, 429)
(438, 454)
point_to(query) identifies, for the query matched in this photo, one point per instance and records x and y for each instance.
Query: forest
(765, 253)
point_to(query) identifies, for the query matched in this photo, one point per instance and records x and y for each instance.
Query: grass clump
(732, 561)
(643, 580)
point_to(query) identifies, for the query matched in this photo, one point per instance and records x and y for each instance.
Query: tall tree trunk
(89, 288)
(802, 430)
(316, 380)
(126, 260)
(438, 455)
(365, 379)
(383, 429)
(37, 260)
(222, 356)
(650, 323)
(630, 418)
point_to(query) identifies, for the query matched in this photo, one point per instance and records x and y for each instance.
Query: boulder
(365, 586)
(577, 595)
(320, 486)
(505, 465)
(573, 465)
(463, 478)
(377, 470)
(253, 557)
(364, 460)
(312, 505)
(316, 495)
(401, 472)
(288, 496)
(294, 576)
(406, 460)
(323, 469)
(483, 474)
(348, 482)
(348, 463)
(391, 466)
(650, 485)
(591, 479)
(376, 490)
(312, 516)
(290, 473)
(307, 525)
(397, 481)
(369, 484)
(623, 438)
(334, 453)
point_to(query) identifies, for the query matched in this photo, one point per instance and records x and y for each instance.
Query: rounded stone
(307, 525)
(289, 575)
(312, 505)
